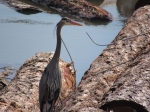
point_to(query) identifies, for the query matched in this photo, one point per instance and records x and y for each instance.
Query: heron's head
(67, 21)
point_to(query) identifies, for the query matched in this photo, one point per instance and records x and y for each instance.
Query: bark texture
(5, 73)
(113, 62)
(21, 95)
(21, 7)
(132, 88)
(78, 8)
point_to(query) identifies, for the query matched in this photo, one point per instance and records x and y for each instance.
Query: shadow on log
(21, 95)
(141, 3)
(129, 51)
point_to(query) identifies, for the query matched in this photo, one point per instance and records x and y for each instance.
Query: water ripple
(25, 21)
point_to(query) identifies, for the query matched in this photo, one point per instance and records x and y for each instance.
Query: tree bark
(113, 62)
(131, 90)
(77, 8)
(21, 7)
(21, 95)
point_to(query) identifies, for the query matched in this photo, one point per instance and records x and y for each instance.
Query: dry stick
(128, 38)
(135, 36)
(95, 42)
(71, 61)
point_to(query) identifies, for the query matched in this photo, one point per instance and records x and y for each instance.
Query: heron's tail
(47, 107)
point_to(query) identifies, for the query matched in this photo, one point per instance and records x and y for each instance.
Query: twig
(71, 61)
(128, 38)
(95, 42)
(135, 36)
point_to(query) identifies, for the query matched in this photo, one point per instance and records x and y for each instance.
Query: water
(24, 35)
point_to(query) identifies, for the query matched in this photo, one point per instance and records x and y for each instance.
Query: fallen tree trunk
(114, 61)
(22, 7)
(131, 90)
(21, 95)
(3, 81)
(4, 73)
(77, 8)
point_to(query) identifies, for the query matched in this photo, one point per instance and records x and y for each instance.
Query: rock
(22, 93)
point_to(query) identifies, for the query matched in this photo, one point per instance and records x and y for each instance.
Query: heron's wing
(54, 82)
(43, 87)
(49, 87)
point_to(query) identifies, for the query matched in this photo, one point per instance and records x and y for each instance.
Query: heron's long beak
(75, 23)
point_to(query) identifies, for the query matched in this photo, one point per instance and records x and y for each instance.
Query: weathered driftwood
(113, 62)
(3, 81)
(108, 2)
(4, 73)
(78, 8)
(131, 90)
(22, 7)
(22, 93)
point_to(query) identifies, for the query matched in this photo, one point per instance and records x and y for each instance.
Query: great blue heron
(50, 83)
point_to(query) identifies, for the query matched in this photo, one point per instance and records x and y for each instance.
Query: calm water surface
(21, 36)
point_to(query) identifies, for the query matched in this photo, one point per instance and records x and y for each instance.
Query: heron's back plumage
(49, 89)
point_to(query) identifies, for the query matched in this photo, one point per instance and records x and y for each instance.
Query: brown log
(3, 81)
(22, 7)
(114, 61)
(108, 2)
(78, 8)
(21, 95)
(4, 73)
(131, 90)
(75, 8)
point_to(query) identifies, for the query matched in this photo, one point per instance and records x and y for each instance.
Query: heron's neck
(58, 45)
